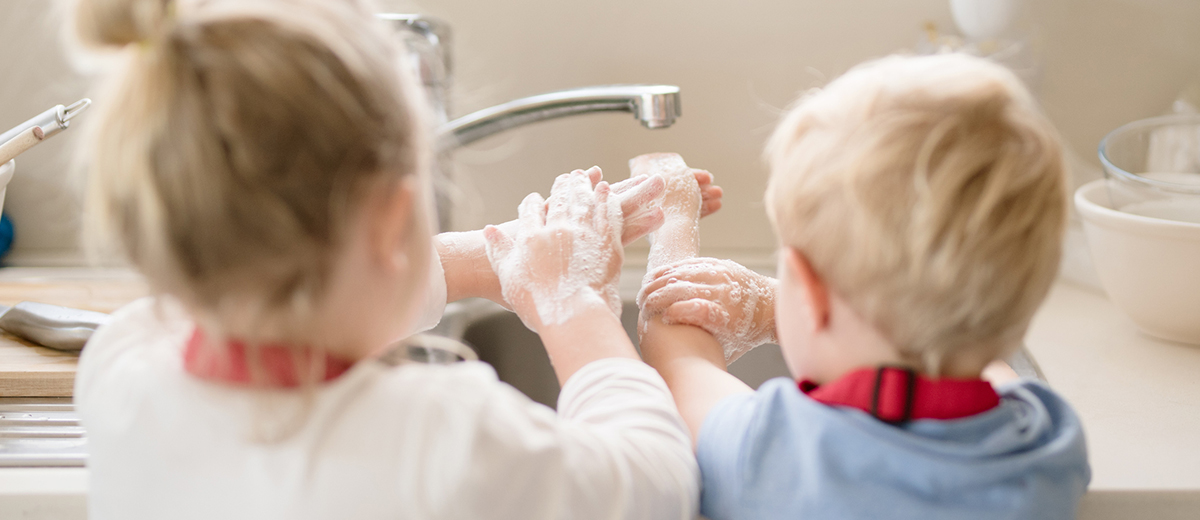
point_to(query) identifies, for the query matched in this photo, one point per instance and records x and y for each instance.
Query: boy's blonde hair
(929, 193)
(239, 139)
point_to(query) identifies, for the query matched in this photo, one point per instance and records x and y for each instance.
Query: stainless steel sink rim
(41, 432)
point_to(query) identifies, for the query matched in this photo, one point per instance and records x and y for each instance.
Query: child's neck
(851, 343)
(856, 357)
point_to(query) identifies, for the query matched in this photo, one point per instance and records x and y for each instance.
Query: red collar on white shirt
(278, 366)
(897, 395)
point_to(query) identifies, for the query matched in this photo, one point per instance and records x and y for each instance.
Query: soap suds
(565, 254)
(679, 238)
(722, 297)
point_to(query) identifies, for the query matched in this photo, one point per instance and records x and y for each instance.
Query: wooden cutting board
(27, 370)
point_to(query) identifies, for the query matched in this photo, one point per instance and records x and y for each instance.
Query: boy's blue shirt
(776, 453)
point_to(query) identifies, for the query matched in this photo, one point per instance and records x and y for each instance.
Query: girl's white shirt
(413, 441)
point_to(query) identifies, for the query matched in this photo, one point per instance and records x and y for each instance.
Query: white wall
(1104, 63)
(44, 196)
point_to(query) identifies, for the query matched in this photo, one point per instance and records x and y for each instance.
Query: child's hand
(469, 273)
(734, 304)
(641, 200)
(564, 255)
(684, 196)
(710, 194)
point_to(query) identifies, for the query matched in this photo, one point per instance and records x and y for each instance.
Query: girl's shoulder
(148, 331)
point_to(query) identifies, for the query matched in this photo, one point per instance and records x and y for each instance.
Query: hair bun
(118, 23)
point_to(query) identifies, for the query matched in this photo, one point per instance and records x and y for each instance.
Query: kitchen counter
(1138, 397)
(43, 493)
(27, 370)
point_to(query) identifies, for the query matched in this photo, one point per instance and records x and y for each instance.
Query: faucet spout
(656, 106)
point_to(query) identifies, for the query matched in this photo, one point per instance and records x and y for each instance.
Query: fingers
(658, 281)
(709, 207)
(641, 207)
(627, 184)
(707, 315)
(497, 244)
(555, 202)
(658, 301)
(601, 220)
(659, 297)
(710, 195)
(711, 263)
(532, 212)
(642, 224)
(644, 194)
(571, 198)
(594, 174)
(710, 199)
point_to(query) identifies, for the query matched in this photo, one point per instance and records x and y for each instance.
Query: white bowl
(1150, 267)
(6, 174)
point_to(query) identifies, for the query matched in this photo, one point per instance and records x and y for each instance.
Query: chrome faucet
(429, 43)
(656, 106)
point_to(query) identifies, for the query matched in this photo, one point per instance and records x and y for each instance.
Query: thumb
(497, 244)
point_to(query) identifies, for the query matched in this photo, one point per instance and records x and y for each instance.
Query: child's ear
(812, 289)
(391, 227)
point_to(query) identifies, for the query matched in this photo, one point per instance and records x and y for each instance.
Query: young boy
(919, 204)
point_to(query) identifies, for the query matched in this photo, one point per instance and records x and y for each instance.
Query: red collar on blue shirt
(278, 366)
(897, 395)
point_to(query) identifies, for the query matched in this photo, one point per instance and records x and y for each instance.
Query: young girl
(263, 163)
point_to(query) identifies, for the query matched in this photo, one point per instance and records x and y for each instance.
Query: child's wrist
(592, 332)
(556, 309)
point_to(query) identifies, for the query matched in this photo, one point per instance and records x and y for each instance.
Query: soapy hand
(732, 303)
(564, 253)
(641, 200)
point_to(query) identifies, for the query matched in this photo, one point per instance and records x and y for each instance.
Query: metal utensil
(60, 328)
(52, 121)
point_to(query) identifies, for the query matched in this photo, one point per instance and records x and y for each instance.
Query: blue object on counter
(6, 234)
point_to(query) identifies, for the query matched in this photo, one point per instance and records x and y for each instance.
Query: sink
(519, 358)
(517, 354)
(40, 432)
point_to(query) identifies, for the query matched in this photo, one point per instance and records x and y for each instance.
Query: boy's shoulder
(766, 454)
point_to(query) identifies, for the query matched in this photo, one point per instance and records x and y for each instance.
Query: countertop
(27, 370)
(1139, 399)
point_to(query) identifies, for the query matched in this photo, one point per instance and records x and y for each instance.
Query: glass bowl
(1153, 167)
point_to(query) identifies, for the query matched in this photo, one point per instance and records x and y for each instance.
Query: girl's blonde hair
(237, 140)
(930, 193)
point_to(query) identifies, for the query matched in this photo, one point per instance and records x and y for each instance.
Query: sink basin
(519, 358)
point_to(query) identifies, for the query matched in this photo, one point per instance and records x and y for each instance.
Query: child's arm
(464, 257)
(558, 267)
(690, 360)
(618, 448)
